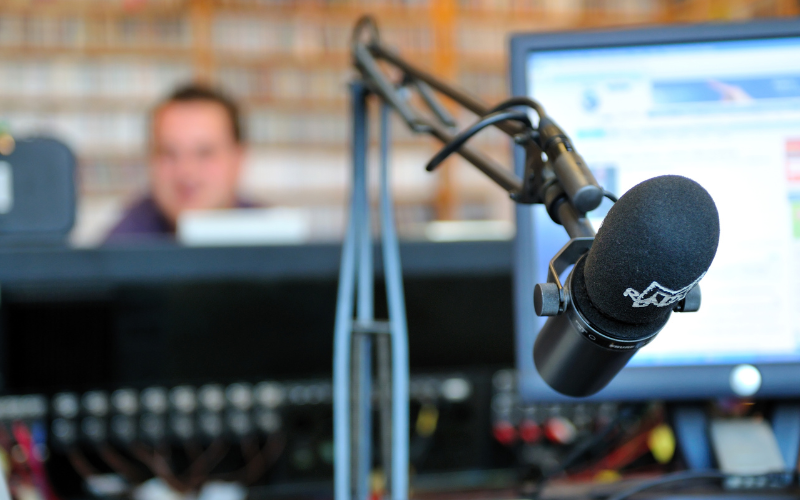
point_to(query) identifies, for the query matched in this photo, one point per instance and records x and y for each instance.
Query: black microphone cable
(519, 101)
(628, 416)
(666, 479)
(459, 140)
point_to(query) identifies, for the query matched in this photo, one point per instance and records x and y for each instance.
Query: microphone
(654, 246)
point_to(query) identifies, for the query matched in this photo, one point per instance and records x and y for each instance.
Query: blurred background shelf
(89, 71)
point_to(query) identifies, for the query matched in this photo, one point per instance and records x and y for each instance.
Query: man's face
(195, 160)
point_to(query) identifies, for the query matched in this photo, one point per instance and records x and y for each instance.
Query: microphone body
(557, 357)
(654, 246)
(574, 354)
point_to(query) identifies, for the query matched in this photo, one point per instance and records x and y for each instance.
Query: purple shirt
(144, 222)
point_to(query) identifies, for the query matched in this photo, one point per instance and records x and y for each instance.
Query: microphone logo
(659, 295)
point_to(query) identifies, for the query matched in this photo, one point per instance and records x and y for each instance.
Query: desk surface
(166, 262)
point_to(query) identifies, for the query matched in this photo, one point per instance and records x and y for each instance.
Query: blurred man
(195, 162)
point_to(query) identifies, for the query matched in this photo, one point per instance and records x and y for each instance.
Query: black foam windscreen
(654, 245)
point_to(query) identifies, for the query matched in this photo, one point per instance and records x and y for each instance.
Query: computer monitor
(719, 104)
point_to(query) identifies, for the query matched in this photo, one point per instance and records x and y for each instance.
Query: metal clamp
(690, 303)
(549, 298)
(373, 327)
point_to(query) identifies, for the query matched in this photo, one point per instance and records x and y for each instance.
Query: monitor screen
(725, 113)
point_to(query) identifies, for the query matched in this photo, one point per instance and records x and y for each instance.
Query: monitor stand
(691, 432)
(786, 425)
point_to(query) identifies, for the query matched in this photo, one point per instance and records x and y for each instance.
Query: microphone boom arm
(551, 183)
(561, 182)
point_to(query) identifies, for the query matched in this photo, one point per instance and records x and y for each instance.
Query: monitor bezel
(679, 383)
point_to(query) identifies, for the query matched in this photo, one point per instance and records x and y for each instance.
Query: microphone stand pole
(541, 182)
(353, 338)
